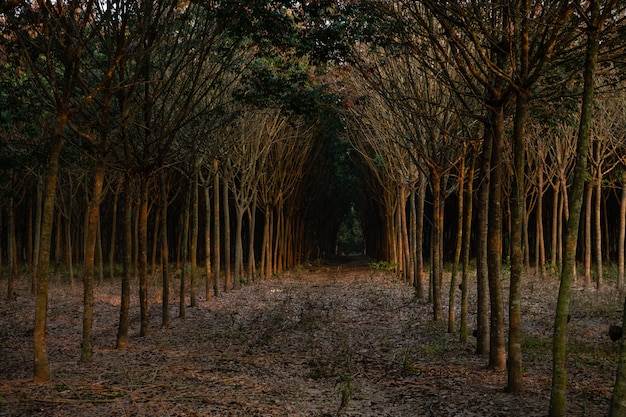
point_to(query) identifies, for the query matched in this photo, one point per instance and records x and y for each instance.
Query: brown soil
(327, 341)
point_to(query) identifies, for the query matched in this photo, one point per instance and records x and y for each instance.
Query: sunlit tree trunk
(437, 250)
(90, 247)
(458, 245)
(419, 238)
(467, 237)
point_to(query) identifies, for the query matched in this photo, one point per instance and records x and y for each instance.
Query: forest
(197, 149)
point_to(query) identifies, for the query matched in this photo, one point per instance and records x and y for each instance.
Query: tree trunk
(193, 249)
(216, 227)
(622, 236)
(497, 351)
(11, 296)
(419, 238)
(183, 254)
(618, 399)
(208, 290)
(37, 237)
(40, 352)
(165, 254)
(122, 331)
(143, 258)
(558, 397)
(86, 352)
(588, 250)
(228, 279)
(251, 223)
(482, 282)
(514, 363)
(116, 196)
(467, 238)
(437, 250)
(458, 245)
(598, 229)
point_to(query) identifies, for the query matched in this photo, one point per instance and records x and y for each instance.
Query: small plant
(383, 266)
(346, 386)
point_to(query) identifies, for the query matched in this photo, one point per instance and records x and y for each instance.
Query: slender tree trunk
(208, 290)
(11, 296)
(588, 250)
(86, 353)
(37, 237)
(116, 196)
(193, 249)
(598, 229)
(622, 236)
(557, 219)
(216, 227)
(127, 275)
(482, 282)
(183, 254)
(251, 223)
(497, 351)
(458, 245)
(165, 255)
(558, 395)
(514, 362)
(419, 240)
(143, 259)
(540, 248)
(226, 212)
(437, 251)
(68, 246)
(467, 238)
(238, 247)
(40, 352)
(618, 399)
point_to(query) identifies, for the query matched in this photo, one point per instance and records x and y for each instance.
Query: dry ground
(327, 341)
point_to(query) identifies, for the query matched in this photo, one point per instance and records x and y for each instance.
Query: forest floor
(334, 340)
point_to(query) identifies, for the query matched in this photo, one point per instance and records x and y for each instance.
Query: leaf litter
(327, 341)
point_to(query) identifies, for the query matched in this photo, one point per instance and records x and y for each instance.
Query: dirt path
(334, 341)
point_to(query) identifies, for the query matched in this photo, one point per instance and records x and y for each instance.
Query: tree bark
(558, 395)
(144, 329)
(216, 227)
(193, 249)
(514, 363)
(165, 255)
(122, 331)
(40, 352)
(90, 248)
(482, 282)
(497, 351)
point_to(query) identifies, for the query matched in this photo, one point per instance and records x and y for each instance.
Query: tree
(594, 17)
(53, 38)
